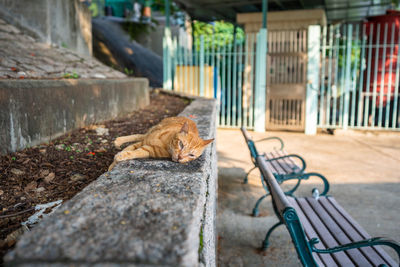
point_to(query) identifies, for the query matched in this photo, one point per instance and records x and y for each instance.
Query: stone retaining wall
(142, 213)
(35, 111)
(65, 23)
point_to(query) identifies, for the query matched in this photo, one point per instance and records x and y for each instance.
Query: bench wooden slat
(323, 234)
(372, 252)
(274, 163)
(338, 229)
(293, 163)
(284, 163)
(310, 233)
(288, 164)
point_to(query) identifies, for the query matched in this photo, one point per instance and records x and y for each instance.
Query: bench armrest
(300, 177)
(376, 241)
(272, 138)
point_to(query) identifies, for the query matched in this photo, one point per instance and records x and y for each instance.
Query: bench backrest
(287, 214)
(250, 144)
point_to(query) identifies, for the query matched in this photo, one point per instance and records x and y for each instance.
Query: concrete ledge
(143, 213)
(34, 111)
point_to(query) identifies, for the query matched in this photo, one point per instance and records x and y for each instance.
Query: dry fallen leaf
(44, 173)
(50, 177)
(30, 186)
(17, 171)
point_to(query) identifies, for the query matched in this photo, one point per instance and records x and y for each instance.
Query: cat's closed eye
(192, 155)
(180, 144)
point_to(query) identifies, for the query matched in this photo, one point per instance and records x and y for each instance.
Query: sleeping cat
(175, 137)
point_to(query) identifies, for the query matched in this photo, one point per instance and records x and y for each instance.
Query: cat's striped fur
(175, 137)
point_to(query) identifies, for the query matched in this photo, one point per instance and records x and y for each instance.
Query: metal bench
(323, 233)
(282, 166)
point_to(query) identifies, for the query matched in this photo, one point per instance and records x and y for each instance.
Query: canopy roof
(336, 10)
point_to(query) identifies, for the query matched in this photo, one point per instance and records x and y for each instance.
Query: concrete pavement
(363, 170)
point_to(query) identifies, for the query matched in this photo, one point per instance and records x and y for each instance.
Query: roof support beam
(358, 6)
(233, 3)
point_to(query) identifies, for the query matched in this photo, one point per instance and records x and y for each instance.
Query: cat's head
(186, 145)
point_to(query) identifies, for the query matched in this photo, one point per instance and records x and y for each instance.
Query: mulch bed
(64, 166)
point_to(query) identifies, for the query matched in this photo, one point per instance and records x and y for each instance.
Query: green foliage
(341, 50)
(128, 72)
(68, 75)
(201, 245)
(159, 5)
(217, 34)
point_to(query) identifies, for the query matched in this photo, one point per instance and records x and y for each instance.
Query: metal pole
(201, 67)
(261, 72)
(347, 77)
(314, 35)
(167, 11)
(264, 11)
(167, 47)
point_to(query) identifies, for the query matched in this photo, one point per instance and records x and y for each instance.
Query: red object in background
(391, 18)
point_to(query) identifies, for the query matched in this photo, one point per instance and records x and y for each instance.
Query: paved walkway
(363, 170)
(21, 56)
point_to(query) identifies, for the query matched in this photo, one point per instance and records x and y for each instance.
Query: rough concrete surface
(21, 56)
(142, 213)
(364, 174)
(35, 111)
(58, 22)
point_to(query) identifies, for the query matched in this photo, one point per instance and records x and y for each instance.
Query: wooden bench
(323, 233)
(282, 165)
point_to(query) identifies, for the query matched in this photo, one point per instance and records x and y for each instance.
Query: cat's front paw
(118, 142)
(123, 155)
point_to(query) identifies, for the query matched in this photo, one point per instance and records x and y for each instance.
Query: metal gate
(226, 70)
(286, 79)
(360, 77)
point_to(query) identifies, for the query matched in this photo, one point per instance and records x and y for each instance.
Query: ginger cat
(175, 137)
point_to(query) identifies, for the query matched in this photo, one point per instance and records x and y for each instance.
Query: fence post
(201, 63)
(314, 39)
(167, 59)
(260, 83)
(347, 77)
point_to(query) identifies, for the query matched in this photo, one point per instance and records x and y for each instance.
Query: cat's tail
(127, 139)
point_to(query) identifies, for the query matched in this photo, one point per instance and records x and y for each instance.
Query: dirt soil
(61, 168)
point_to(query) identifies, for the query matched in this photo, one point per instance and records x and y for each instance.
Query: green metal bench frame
(287, 215)
(299, 175)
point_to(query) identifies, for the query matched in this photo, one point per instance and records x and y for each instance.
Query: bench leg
(255, 209)
(265, 243)
(246, 178)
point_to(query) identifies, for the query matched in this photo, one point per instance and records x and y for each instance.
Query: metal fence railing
(215, 68)
(359, 85)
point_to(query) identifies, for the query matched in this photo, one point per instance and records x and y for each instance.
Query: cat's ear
(206, 142)
(185, 128)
